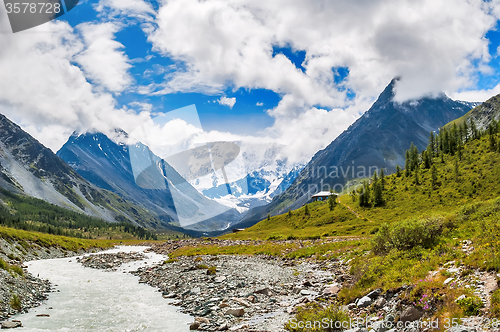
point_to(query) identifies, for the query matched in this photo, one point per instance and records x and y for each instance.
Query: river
(88, 299)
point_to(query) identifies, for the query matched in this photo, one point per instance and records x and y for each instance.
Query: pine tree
(331, 200)
(431, 146)
(382, 178)
(442, 157)
(306, 210)
(426, 159)
(473, 129)
(433, 176)
(417, 180)
(364, 197)
(457, 174)
(289, 213)
(378, 198)
(491, 132)
(407, 163)
(398, 171)
(268, 217)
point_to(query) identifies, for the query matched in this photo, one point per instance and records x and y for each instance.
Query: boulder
(11, 324)
(364, 302)
(374, 294)
(265, 291)
(236, 312)
(194, 326)
(202, 320)
(331, 289)
(411, 314)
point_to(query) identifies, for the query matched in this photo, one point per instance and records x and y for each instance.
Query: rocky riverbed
(18, 293)
(243, 292)
(110, 262)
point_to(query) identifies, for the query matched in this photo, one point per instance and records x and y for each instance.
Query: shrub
(15, 302)
(315, 313)
(408, 234)
(198, 259)
(170, 260)
(470, 305)
(17, 269)
(4, 265)
(211, 270)
(495, 303)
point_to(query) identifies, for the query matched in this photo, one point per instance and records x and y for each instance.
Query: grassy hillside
(477, 179)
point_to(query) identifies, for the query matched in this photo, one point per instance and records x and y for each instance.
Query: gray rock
(411, 314)
(236, 312)
(11, 324)
(265, 291)
(220, 279)
(374, 294)
(305, 292)
(364, 302)
(194, 326)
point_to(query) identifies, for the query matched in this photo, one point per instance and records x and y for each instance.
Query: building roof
(324, 193)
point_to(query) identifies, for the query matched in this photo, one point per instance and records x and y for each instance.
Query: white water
(95, 300)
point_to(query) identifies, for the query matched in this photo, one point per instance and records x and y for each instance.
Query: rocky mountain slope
(29, 168)
(378, 139)
(120, 168)
(482, 114)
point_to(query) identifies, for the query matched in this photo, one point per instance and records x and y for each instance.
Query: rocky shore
(109, 262)
(242, 292)
(19, 290)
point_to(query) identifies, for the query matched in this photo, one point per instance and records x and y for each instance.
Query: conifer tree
(407, 163)
(433, 176)
(268, 216)
(382, 178)
(426, 159)
(398, 171)
(289, 213)
(306, 210)
(491, 132)
(331, 200)
(457, 174)
(431, 146)
(378, 198)
(417, 181)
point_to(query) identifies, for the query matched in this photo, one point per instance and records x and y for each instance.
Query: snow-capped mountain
(255, 176)
(135, 173)
(29, 168)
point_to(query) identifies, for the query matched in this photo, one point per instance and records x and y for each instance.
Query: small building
(322, 196)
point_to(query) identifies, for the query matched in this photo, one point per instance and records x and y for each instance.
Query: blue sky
(273, 71)
(249, 114)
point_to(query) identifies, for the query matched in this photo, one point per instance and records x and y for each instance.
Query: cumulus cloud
(432, 45)
(259, 104)
(136, 8)
(229, 102)
(103, 59)
(42, 90)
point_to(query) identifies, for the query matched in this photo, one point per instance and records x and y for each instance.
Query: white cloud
(229, 102)
(259, 104)
(142, 106)
(46, 94)
(476, 95)
(103, 59)
(432, 45)
(137, 8)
